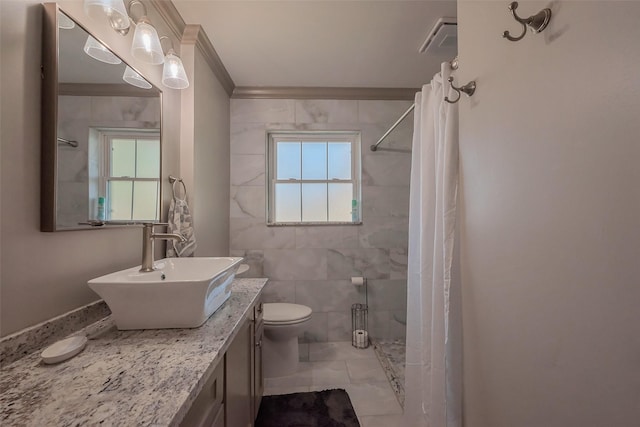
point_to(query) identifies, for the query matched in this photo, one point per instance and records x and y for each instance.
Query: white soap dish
(242, 269)
(64, 349)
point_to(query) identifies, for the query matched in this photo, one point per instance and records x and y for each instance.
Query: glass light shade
(146, 44)
(173, 74)
(97, 50)
(114, 10)
(135, 79)
(64, 22)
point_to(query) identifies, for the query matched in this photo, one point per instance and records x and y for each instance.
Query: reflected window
(314, 178)
(129, 174)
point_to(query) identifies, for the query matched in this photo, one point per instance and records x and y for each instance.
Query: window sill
(312, 224)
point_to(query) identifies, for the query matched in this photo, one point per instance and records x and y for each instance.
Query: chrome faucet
(148, 237)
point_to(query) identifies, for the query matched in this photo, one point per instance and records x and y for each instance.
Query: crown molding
(359, 93)
(195, 34)
(168, 12)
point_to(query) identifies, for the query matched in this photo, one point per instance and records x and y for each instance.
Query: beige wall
(45, 274)
(550, 220)
(211, 154)
(204, 151)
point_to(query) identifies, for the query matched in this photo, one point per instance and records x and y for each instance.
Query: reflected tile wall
(312, 265)
(76, 115)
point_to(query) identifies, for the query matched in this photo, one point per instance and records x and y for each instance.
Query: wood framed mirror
(101, 132)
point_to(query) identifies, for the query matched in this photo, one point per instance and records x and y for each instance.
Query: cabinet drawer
(208, 406)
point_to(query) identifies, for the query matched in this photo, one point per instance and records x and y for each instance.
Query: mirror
(101, 142)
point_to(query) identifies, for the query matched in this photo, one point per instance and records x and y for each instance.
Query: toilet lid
(279, 312)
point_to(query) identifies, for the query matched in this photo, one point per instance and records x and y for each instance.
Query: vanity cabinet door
(238, 379)
(208, 407)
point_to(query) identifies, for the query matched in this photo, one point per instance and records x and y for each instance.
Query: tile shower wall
(312, 265)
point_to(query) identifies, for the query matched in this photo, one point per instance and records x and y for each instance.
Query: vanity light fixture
(114, 10)
(173, 73)
(97, 50)
(146, 44)
(64, 22)
(135, 79)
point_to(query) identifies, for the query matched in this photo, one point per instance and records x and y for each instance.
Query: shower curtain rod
(72, 143)
(374, 147)
(454, 66)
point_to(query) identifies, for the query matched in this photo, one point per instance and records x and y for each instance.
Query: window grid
(352, 138)
(107, 167)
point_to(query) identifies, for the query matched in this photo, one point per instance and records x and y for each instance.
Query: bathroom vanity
(209, 375)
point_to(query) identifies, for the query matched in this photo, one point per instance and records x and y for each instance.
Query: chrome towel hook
(467, 89)
(537, 22)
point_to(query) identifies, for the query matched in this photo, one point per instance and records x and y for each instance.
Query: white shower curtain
(433, 361)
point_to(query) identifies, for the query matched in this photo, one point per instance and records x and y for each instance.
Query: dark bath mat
(328, 408)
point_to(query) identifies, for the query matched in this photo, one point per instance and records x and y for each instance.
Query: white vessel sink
(180, 293)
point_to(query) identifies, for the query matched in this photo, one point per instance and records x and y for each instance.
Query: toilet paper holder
(359, 318)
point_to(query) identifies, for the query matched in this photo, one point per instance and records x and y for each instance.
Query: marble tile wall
(312, 265)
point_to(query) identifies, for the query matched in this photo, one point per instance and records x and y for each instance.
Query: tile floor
(340, 365)
(391, 354)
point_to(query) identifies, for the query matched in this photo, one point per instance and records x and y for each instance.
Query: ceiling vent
(443, 38)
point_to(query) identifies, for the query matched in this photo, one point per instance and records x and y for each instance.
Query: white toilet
(283, 323)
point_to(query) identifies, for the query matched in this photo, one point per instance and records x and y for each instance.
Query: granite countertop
(146, 377)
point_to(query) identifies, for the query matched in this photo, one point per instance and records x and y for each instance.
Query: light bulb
(114, 10)
(146, 44)
(97, 50)
(135, 79)
(173, 73)
(64, 22)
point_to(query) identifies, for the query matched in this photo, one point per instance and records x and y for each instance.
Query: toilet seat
(279, 313)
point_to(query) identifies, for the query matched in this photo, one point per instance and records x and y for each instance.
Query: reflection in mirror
(107, 158)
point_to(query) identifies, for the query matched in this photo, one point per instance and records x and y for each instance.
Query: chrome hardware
(173, 180)
(259, 343)
(467, 89)
(148, 237)
(101, 223)
(454, 63)
(537, 22)
(69, 142)
(374, 147)
(259, 308)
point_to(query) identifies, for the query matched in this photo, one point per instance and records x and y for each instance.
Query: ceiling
(318, 43)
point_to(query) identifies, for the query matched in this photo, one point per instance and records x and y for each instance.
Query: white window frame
(273, 137)
(106, 136)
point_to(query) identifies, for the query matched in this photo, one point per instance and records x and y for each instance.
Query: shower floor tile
(391, 354)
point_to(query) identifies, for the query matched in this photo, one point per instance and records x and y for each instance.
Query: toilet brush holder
(359, 326)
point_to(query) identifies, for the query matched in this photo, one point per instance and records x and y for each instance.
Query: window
(313, 178)
(130, 178)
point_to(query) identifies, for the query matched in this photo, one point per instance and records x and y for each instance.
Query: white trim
(273, 137)
(106, 136)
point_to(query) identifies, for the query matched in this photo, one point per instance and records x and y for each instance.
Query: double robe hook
(537, 22)
(467, 89)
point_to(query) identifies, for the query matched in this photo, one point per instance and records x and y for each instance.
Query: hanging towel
(181, 222)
